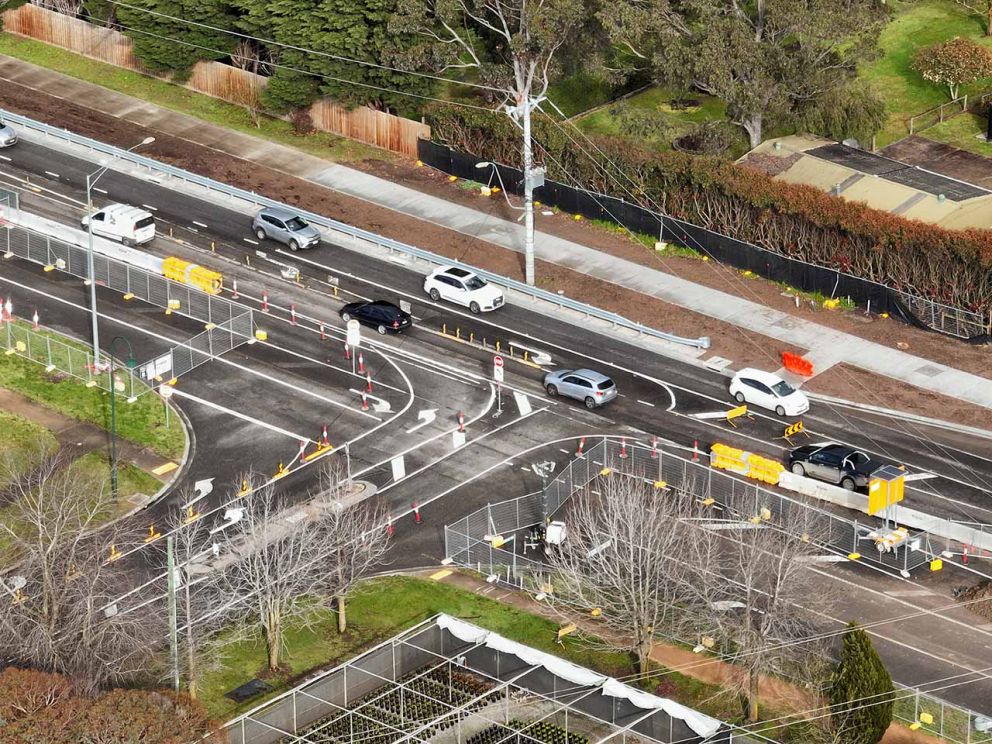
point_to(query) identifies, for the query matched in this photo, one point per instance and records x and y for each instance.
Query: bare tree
(70, 8)
(292, 560)
(980, 8)
(60, 613)
(629, 553)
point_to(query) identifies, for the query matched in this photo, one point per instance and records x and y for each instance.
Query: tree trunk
(342, 614)
(988, 28)
(752, 124)
(191, 669)
(273, 639)
(752, 695)
(953, 87)
(644, 656)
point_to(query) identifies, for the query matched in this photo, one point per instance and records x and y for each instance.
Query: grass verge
(23, 444)
(131, 480)
(141, 422)
(183, 100)
(962, 132)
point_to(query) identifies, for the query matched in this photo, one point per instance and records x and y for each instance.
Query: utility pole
(173, 622)
(533, 177)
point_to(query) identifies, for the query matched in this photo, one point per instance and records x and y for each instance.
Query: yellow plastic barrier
(736, 413)
(192, 274)
(763, 469)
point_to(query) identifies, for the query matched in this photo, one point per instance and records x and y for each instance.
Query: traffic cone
(303, 447)
(361, 364)
(292, 315)
(416, 514)
(365, 402)
(623, 448)
(582, 444)
(234, 289)
(322, 334)
(368, 382)
(654, 448)
(265, 301)
(695, 450)
(324, 437)
(461, 421)
(8, 310)
(389, 525)
(34, 321)
(347, 353)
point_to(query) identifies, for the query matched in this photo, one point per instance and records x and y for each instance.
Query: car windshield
(782, 389)
(295, 223)
(475, 282)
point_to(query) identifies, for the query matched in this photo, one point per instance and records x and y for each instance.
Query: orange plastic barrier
(796, 364)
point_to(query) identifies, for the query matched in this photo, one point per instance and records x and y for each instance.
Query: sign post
(498, 377)
(354, 340)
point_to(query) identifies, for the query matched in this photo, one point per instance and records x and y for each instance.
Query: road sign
(165, 391)
(354, 338)
(498, 368)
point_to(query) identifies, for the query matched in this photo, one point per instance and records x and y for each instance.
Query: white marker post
(498, 377)
(354, 340)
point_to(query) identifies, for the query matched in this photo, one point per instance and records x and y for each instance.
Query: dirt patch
(941, 158)
(981, 591)
(852, 383)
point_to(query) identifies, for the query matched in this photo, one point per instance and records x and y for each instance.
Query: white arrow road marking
(378, 404)
(231, 516)
(425, 417)
(919, 476)
(203, 489)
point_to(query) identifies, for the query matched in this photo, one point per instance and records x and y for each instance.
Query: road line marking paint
(562, 449)
(163, 469)
(242, 416)
(525, 468)
(53, 175)
(149, 206)
(4, 157)
(442, 574)
(192, 229)
(97, 188)
(645, 403)
(199, 224)
(249, 240)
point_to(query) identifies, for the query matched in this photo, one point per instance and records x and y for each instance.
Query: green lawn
(177, 98)
(23, 444)
(131, 480)
(142, 422)
(961, 132)
(914, 25)
(579, 93)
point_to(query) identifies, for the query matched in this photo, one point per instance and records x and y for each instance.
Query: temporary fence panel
(950, 722)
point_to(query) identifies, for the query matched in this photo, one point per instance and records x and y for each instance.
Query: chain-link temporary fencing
(468, 541)
(937, 717)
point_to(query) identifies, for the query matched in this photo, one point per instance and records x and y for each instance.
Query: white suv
(463, 288)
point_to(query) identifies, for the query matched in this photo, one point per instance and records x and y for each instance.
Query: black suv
(834, 463)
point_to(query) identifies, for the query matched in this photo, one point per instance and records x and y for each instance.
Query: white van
(129, 225)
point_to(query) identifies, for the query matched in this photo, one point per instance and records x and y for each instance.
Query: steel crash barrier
(350, 231)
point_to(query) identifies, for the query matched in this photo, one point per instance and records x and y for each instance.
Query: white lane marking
(199, 224)
(425, 417)
(4, 157)
(149, 206)
(102, 191)
(50, 173)
(242, 416)
(645, 403)
(249, 240)
(380, 405)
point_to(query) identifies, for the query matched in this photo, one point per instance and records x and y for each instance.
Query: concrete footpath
(826, 346)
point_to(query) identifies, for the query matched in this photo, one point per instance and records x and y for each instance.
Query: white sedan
(463, 288)
(768, 391)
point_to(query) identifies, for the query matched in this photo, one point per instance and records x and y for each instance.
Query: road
(252, 406)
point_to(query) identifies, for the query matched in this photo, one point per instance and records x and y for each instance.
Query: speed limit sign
(498, 368)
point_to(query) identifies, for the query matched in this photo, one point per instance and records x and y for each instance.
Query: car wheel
(127, 241)
(552, 391)
(847, 484)
(798, 469)
(260, 234)
(294, 246)
(590, 402)
(779, 411)
(435, 295)
(382, 330)
(474, 307)
(739, 397)
(345, 317)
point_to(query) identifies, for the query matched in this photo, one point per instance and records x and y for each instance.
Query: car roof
(383, 303)
(126, 210)
(756, 374)
(591, 375)
(455, 271)
(834, 448)
(279, 213)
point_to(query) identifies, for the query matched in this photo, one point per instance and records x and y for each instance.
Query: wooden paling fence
(215, 79)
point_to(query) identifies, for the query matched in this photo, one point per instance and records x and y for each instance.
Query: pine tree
(861, 692)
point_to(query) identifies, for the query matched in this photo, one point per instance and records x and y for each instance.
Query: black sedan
(384, 316)
(834, 463)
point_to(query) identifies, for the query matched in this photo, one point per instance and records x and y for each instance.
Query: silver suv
(591, 387)
(285, 227)
(8, 136)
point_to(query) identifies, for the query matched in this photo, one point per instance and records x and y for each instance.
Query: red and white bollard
(368, 382)
(234, 289)
(34, 321)
(365, 402)
(654, 448)
(265, 301)
(695, 450)
(347, 353)
(303, 447)
(582, 445)
(416, 514)
(461, 421)
(323, 335)
(292, 315)
(389, 525)
(8, 310)
(623, 448)
(1, 311)
(964, 554)
(361, 364)
(323, 437)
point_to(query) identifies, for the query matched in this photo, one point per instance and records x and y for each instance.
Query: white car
(769, 391)
(463, 288)
(130, 225)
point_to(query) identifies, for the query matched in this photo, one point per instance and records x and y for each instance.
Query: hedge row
(950, 266)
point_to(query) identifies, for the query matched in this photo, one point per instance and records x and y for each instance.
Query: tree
(60, 613)
(981, 8)
(629, 553)
(763, 59)
(861, 691)
(289, 561)
(954, 63)
(856, 111)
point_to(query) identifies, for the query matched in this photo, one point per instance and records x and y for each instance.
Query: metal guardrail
(352, 232)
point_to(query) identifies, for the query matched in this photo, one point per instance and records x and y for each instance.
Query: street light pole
(528, 196)
(131, 363)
